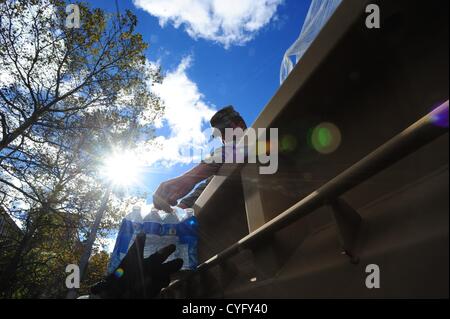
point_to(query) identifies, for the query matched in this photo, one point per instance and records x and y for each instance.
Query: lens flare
(288, 143)
(439, 116)
(326, 138)
(119, 272)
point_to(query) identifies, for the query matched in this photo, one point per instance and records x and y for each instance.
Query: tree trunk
(9, 274)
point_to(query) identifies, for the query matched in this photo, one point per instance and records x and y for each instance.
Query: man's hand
(138, 278)
(169, 192)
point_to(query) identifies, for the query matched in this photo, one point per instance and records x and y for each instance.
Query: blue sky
(213, 56)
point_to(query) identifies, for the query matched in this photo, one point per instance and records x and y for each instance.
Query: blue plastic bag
(179, 228)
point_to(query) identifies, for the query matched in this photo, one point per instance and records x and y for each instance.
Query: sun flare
(122, 168)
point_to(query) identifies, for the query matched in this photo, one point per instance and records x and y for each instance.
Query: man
(139, 277)
(169, 192)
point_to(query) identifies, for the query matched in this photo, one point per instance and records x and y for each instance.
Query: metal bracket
(265, 257)
(227, 272)
(348, 222)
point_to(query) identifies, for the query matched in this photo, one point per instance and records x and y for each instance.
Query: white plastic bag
(319, 13)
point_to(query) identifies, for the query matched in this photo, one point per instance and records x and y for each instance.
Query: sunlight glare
(122, 168)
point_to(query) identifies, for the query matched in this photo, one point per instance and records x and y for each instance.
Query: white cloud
(225, 21)
(186, 116)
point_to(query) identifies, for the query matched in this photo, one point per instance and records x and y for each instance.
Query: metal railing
(424, 131)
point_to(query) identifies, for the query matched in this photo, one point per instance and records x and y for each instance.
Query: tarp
(319, 13)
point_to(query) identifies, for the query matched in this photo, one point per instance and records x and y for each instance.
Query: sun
(122, 168)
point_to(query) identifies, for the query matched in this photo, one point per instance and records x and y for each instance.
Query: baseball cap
(225, 117)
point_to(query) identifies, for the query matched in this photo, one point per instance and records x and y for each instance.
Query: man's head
(227, 117)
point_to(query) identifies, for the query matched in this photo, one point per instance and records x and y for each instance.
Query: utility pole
(84, 260)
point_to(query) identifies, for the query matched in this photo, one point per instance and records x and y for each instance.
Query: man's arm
(169, 192)
(189, 200)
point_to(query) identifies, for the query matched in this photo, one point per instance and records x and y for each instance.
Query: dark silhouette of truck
(319, 226)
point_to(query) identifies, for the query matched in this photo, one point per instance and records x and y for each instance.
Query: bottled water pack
(161, 229)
